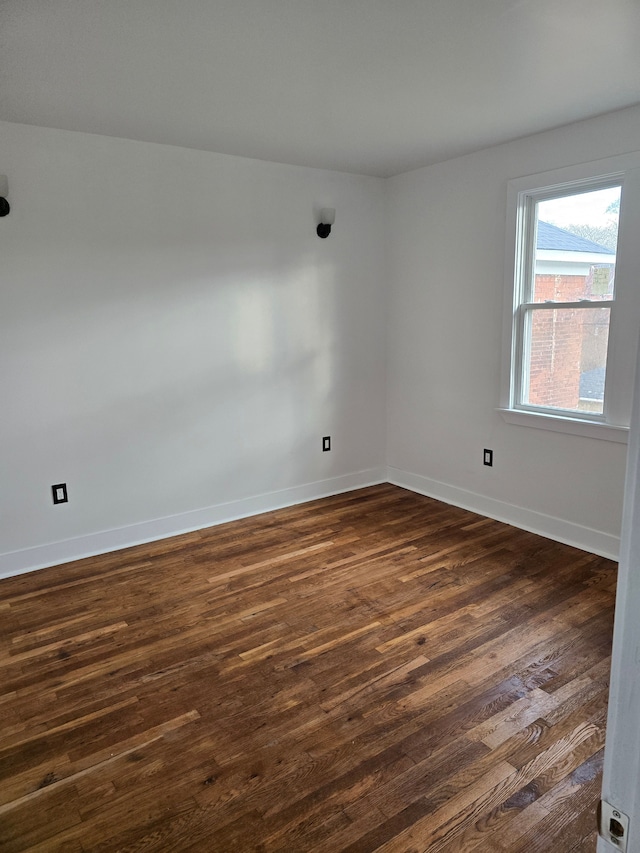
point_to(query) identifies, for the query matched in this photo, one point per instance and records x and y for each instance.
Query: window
(566, 289)
(569, 349)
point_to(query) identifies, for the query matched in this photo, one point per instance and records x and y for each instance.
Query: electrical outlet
(326, 443)
(60, 493)
(488, 457)
(614, 826)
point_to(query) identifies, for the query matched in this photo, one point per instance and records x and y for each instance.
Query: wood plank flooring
(373, 671)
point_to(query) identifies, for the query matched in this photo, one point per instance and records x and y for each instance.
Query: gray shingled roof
(552, 237)
(592, 384)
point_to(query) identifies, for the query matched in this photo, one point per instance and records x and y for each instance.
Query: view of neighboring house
(569, 345)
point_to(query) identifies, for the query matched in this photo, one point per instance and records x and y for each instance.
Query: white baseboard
(102, 542)
(41, 556)
(594, 541)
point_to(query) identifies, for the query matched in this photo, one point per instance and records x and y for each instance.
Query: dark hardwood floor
(373, 671)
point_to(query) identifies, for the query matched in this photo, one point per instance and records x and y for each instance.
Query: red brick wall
(560, 288)
(560, 340)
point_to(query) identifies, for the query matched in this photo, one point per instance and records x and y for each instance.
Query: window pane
(575, 252)
(565, 358)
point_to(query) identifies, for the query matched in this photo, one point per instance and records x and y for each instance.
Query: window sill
(570, 426)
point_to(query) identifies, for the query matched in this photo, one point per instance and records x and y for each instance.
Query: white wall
(447, 237)
(175, 340)
(174, 336)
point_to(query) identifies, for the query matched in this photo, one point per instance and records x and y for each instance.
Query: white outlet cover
(608, 814)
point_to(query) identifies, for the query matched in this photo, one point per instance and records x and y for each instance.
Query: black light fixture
(327, 218)
(4, 192)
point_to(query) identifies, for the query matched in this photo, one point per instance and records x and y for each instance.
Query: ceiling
(369, 86)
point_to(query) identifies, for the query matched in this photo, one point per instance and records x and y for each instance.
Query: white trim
(565, 256)
(527, 190)
(102, 542)
(587, 304)
(594, 541)
(622, 748)
(553, 267)
(39, 557)
(570, 426)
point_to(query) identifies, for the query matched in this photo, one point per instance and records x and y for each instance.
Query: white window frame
(523, 193)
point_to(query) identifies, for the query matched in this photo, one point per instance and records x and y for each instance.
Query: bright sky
(589, 208)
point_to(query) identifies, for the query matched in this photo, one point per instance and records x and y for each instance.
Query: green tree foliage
(614, 207)
(605, 235)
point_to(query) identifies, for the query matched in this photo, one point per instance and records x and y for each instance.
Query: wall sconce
(4, 192)
(327, 218)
